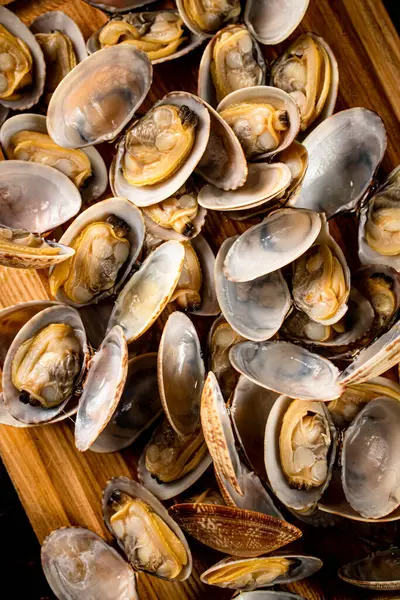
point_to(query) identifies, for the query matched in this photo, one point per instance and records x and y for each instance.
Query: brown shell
(232, 530)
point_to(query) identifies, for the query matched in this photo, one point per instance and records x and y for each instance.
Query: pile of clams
(275, 410)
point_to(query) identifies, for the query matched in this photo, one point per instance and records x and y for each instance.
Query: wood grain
(60, 486)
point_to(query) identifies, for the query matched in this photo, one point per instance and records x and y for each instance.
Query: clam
(44, 365)
(148, 291)
(3, 116)
(378, 234)
(161, 150)
(62, 45)
(205, 17)
(344, 153)
(25, 137)
(271, 22)
(150, 539)
(255, 309)
(107, 238)
(272, 244)
(252, 573)
(160, 34)
(265, 595)
(234, 531)
(220, 340)
(231, 61)
(78, 564)
(299, 452)
(321, 279)
(308, 71)
(265, 119)
(118, 6)
(95, 101)
(35, 197)
(379, 571)
(22, 64)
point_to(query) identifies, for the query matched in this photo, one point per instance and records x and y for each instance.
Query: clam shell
(31, 122)
(35, 197)
(3, 115)
(6, 418)
(55, 314)
(124, 210)
(191, 24)
(148, 195)
(104, 573)
(268, 95)
(66, 133)
(254, 309)
(271, 22)
(265, 595)
(56, 20)
(102, 389)
(304, 501)
(119, 6)
(234, 531)
(16, 27)
(344, 153)
(272, 244)
(158, 275)
(378, 571)
(330, 101)
(136, 490)
(209, 303)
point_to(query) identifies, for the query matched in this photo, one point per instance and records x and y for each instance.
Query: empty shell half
(272, 22)
(379, 571)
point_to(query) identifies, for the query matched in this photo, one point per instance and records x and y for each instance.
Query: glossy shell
(119, 6)
(59, 21)
(271, 22)
(379, 571)
(14, 258)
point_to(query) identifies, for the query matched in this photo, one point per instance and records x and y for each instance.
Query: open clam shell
(191, 42)
(35, 197)
(97, 182)
(209, 304)
(344, 153)
(221, 338)
(95, 101)
(379, 571)
(99, 212)
(234, 531)
(55, 314)
(275, 97)
(254, 309)
(6, 417)
(77, 563)
(270, 245)
(152, 194)
(56, 20)
(302, 500)
(119, 6)
(219, 15)
(30, 96)
(138, 492)
(265, 595)
(249, 574)
(102, 389)
(148, 291)
(205, 85)
(271, 22)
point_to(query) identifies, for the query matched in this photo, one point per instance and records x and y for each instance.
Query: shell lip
(108, 8)
(353, 579)
(279, 36)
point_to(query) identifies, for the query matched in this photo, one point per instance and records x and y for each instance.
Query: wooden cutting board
(60, 486)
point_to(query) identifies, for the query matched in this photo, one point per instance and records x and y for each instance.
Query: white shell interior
(272, 21)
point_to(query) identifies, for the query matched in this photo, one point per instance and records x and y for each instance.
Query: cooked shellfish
(271, 22)
(187, 291)
(378, 571)
(204, 17)
(23, 250)
(221, 339)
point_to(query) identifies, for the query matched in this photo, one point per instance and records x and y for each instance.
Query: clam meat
(187, 292)
(207, 16)
(15, 65)
(222, 338)
(60, 58)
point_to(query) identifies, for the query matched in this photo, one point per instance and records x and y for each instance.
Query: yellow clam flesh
(177, 212)
(304, 445)
(211, 15)
(222, 339)
(45, 368)
(169, 457)
(250, 573)
(304, 72)
(60, 58)
(149, 543)
(187, 292)
(234, 64)
(380, 291)
(382, 229)
(158, 34)
(24, 242)
(158, 144)
(257, 125)
(319, 284)
(15, 65)
(40, 148)
(100, 251)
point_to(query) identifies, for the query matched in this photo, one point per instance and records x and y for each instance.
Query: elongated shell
(344, 153)
(137, 491)
(148, 291)
(56, 20)
(37, 254)
(55, 314)
(31, 95)
(96, 99)
(36, 197)
(378, 571)
(97, 182)
(270, 245)
(271, 22)
(233, 530)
